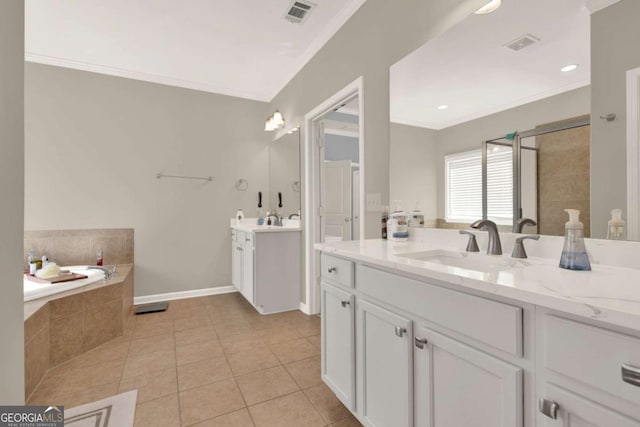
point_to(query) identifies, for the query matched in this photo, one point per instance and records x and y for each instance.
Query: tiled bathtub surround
(66, 325)
(79, 247)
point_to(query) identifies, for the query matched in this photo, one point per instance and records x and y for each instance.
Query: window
(463, 185)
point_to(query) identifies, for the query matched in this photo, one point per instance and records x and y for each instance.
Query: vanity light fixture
(568, 68)
(275, 121)
(443, 107)
(491, 6)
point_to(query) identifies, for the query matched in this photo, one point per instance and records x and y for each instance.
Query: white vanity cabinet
(457, 385)
(384, 366)
(266, 268)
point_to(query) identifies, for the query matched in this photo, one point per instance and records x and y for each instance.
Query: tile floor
(210, 361)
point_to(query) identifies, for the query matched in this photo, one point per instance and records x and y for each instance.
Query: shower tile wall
(563, 179)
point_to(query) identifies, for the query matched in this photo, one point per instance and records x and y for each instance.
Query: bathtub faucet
(108, 273)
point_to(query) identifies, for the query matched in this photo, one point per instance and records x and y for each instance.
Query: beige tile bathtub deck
(211, 361)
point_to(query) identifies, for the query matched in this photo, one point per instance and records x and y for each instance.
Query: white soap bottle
(239, 216)
(416, 219)
(398, 224)
(615, 227)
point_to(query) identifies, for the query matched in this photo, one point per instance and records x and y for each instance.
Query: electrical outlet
(374, 202)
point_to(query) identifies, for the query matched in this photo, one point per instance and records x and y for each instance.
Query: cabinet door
(236, 266)
(458, 386)
(338, 343)
(578, 411)
(247, 273)
(385, 367)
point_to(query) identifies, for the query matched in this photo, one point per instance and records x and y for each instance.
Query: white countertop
(609, 294)
(250, 225)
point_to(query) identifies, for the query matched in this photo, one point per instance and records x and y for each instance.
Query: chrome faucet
(108, 272)
(277, 220)
(519, 225)
(494, 247)
(518, 247)
(472, 244)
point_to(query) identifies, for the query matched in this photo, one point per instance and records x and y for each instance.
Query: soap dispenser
(615, 227)
(574, 253)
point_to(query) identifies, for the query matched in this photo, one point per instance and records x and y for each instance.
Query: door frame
(312, 179)
(633, 154)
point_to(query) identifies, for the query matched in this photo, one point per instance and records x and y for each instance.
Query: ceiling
(469, 69)
(239, 48)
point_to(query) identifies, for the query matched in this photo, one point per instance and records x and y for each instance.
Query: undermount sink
(468, 261)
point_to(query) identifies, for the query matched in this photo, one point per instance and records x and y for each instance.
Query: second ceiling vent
(299, 11)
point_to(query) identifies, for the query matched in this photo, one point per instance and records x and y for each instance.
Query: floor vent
(522, 42)
(299, 11)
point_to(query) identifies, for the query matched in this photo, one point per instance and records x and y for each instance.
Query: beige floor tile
(152, 385)
(208, 401)
(226, 328)
(309, 327)
(315, 340)
(191, 322)
(239, 418)
(305, 372)
(203, 372)
(192, 336)
(351, 421)
(87, 395)
(326, 403)
(142, 364)
(184, 312)
(152, 344)
(198, 351)
(154, 328)
(84, 377)
(276, 335)
(267, 384)
(260, 358)
(163, 412)
(290, 351)
(241, 342)
(114, 350)
(293, 410)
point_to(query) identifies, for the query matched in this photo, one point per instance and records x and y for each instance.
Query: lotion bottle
(574, 253)
(239, 216)
(615, 227)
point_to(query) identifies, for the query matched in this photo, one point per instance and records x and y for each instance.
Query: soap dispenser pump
(615, 227)
(574, 253)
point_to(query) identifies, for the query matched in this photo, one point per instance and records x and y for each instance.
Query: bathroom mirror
(284, 175)
(526, 66)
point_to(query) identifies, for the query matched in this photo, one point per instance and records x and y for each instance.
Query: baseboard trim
(170, 296)
(304, 308)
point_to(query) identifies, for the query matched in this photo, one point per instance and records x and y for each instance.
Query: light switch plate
(374, 202)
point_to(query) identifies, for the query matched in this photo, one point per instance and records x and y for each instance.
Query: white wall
(380, 33)
(11, 189)
(469, 135)
(613, 52)
(94, 145)
(413, 168)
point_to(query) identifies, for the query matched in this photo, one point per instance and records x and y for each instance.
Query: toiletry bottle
(45, 261)
(31, 258)
(615, 228)
(417, 217)
(239, 216)
(260, 217)
(397, 226)
(99, 254)
(574, 253)
(385, 219)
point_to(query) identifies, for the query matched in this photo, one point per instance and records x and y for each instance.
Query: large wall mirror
(510, 115)
(284, 175)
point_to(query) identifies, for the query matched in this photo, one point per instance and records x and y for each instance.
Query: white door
(247, 271)
(338, 343)
(336, 200)
(355, 205)
(576, 411)
(236, 259)
(385, 367)
(458, 386)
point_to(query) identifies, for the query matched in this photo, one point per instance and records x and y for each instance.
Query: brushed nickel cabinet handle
(400, 331)
(345, 303)
(631, 375)
(548, 408)
(332, 269)
(420, 342)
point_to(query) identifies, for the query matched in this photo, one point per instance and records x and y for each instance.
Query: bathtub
(34, 290)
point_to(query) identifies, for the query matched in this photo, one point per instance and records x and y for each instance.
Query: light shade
(273, 122)
(491, 6)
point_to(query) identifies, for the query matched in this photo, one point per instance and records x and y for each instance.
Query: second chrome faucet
(494, 247)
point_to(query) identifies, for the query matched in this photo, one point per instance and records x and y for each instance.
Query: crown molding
(147, 77)
(594, 6)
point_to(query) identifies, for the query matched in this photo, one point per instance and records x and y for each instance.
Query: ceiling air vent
(522, 42)
(299, 10)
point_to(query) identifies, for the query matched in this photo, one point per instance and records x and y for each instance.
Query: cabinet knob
(631, 375)
(420, 342)
(332, 269)
(548, 408)
(400, 331)
(345, 303)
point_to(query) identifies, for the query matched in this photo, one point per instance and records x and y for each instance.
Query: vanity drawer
(496, 324)
(592, 356)
(337, 270)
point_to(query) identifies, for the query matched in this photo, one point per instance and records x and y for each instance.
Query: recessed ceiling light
(489, 7)
(443, 107)
(568, 68)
